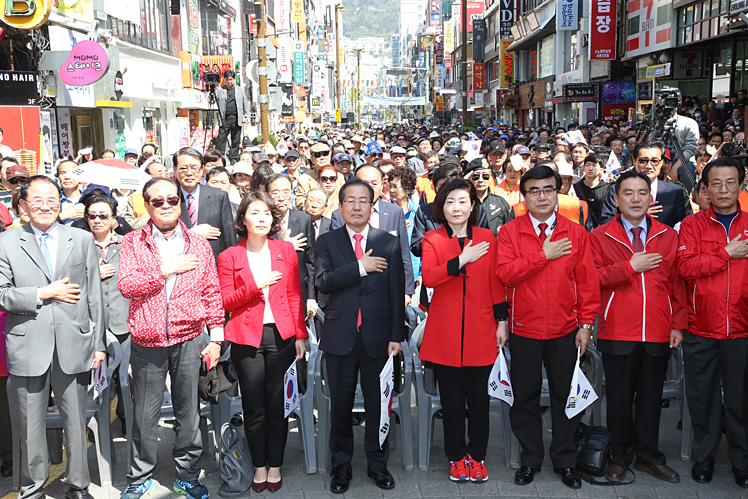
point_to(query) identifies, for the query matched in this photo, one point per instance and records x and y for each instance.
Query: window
(152, 31)
(701, 20)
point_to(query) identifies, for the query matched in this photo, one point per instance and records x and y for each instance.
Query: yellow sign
(337, 115)
(26, 14)
(658, 71)
(449, 38)
(297, 11)
(300, 116)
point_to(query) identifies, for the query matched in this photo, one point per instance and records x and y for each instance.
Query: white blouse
(259, 264)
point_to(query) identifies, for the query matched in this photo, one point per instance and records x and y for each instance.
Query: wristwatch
(588, 327)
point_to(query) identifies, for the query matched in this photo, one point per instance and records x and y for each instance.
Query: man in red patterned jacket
(642, 317)
(169, 274)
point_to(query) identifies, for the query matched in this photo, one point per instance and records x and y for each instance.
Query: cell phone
(206, 364)
(87, 150)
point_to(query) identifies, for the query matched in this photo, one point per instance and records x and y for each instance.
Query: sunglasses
(477, 176)
(16, 180)
(159, 202)
(327, 180)
(319, 154)
(100, 216)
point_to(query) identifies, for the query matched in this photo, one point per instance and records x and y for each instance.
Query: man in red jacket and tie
(643, 312)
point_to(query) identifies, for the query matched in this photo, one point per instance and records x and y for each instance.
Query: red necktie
(638, 246)
(192, 209)
(542, 235)
(359, 250)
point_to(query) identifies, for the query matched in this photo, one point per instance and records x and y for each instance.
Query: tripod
(663, 132)
(209, 120)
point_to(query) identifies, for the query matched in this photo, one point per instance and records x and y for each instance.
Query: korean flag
(386, 385)
(499, 385)
(290, 390)
(612, 166)
(581, 393)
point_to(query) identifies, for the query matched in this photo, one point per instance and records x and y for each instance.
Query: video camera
(666, 103)
(212, 79)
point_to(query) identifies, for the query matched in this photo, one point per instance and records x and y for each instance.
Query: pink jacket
(194, 303)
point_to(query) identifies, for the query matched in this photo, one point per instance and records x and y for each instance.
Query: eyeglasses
(100, 216)
(38, 203)
(653, 162)
(359, 201)
(193, 169)
(278, 193)
(547, 191)
(16, 180)
(159, 202)
(319, 154)
(478, 176)
(717, 184)
(328, 180)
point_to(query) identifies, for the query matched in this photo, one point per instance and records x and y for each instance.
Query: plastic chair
(401, 406)
(675, 388)
(429, 402)
(97, 417)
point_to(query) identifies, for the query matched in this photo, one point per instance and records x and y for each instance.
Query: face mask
(697, 115)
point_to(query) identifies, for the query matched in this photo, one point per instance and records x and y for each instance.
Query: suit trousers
(528, 356)
(6, 439)
(635, 430)
(150, 365)
(236, 139)
(458, 386)
(714, 366)
(29, 398)
(342, 378)
(260, 372)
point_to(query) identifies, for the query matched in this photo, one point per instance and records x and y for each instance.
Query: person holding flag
(545, 262)
(643, 312)
(466, 323)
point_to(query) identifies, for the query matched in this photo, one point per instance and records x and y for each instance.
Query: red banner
(479, 76)
(603, 30)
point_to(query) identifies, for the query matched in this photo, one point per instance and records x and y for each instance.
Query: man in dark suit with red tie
(361, 269)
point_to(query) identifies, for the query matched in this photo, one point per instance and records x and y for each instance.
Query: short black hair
(723, 162)
(260, 177)
(66, 160)
(241, 211)
(539, 173)
(594, 158)
(154, 181)
(456, 184)
(370, 165)
(445, 171)
(229, 73)
(154, 146)
(212, 155)
(629, 175)
(216, 170)
(277, 176)
(110, 151)
(352, 182)
(187, 151)
(10, 159)
(99, 198)
(647, 144)
(24, 191)
(612, 139)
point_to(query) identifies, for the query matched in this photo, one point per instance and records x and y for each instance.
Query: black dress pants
(635, 430)
(342, 378)
(260, 372)
(713, 366)
(235, 131)
(458, 386)
(528, 356)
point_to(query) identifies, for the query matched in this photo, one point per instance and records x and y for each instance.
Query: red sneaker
(478, 471)
(459, 471)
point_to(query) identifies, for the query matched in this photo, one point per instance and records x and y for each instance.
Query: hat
(246, 142)
(372, 148)
(522, 150)
(341, 156)
(542, 145)
(14, 171)
(357, 138)
(254, 149)
(292, 153)
(565, 169)
(262, 158)
(242, 167)
(477, 164)
(434, 134)
(90, 188)
(449, 159)
(319, 147)
(131, 150)
(497, 146)
(397, 150)
(269, 149)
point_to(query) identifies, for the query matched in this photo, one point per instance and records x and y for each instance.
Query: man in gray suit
(233, 112)
(51, 289)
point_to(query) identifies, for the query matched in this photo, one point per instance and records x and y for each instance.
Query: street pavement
(297, 484)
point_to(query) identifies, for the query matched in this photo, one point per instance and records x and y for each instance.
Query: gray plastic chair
(97, 417)
(675, 388)
(401, 406)
(429, 402)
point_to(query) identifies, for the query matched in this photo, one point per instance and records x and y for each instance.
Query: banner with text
(603, 34)
(567, 15)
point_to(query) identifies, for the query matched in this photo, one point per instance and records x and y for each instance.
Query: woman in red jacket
(261, 287)
(466, 323)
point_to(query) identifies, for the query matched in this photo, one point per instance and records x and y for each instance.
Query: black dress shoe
(525, 475)
(702, 472)
(6, 469)
(78, 494)
(384, 480)
(358, 418)
(570, 477)
(741, 477)
(341, 478)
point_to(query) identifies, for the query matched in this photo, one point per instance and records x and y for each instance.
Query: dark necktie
(542, 234)
(638, 246)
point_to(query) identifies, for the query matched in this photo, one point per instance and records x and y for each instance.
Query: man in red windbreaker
(545, 263)
(712, 252)
(643, 312)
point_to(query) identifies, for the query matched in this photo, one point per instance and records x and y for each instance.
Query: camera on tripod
(212, 79)
(666, 103)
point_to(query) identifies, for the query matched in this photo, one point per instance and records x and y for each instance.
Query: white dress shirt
(374, 218)
(653, 190)
(548, 230)
(52, 232)
(365, 233)
(259, 264)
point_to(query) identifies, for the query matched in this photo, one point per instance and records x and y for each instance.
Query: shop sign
(687, 64)
(194, 32)
(603, 34)
(507, 64)
(321, 43)
(580, 92)
(738, 6)
(479, 76)
(298, 66)
(297, 12)
(658, 71)
(532, 95)
(653, 20)
(618, 97)
(88, 62)
(567, 15)
(511, 101)
(439, 52)
(18, 88)
(506, 18)
(26, 14)
(548, 93)
(282, 16)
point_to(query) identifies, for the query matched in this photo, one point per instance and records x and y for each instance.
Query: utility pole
(262, 70)
(358, 86)
(338, 8)
(464, 57)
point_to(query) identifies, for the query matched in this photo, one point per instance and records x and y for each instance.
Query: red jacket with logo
(195, 301)
(638, 306)
(716, 285)
(548, 298)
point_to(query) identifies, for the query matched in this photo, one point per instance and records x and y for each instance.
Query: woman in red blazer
(261, 288)
(466, 323)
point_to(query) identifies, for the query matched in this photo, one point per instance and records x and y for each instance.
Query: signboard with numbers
(580, 92)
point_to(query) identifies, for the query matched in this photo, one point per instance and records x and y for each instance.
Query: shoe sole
(459, 480)
(706, 480)
(477, 480)
(659, 477)
(613, 479)
(185, 493)
(148, 491)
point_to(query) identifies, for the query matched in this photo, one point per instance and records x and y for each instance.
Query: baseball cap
(542, 145)
(397, 150)
(522, 150)
(14, 171)
(497, 146)
(263, 157)
(372, 148)
(242, 167)
(131, 150)
(477, 164)
(292, 153)
(341, 156)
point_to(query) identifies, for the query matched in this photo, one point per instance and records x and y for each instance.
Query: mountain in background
(364, 18)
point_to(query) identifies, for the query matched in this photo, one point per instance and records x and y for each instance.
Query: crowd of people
(532, 244)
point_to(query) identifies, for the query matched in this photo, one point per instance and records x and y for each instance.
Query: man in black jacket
(592, 189)
(496, 209)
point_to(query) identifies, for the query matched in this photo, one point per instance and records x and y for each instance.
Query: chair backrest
(417, 336)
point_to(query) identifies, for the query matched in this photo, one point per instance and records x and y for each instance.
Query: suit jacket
(301, 223)
(379, 295)
(242, 104)
(34, 332)
(672, 197)
(213, 208)
(392, 220)
(322, 299)
(116, 306)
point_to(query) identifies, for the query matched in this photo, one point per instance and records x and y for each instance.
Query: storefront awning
(274, 41)
(548, 27)
(113, 103)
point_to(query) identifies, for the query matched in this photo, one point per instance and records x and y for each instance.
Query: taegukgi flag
(499, 385)
(581, 393)
(290, 390)
(386, 385)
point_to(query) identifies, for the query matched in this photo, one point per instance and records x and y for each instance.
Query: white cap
(397, 150)
(566, 170)
(242, 167)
